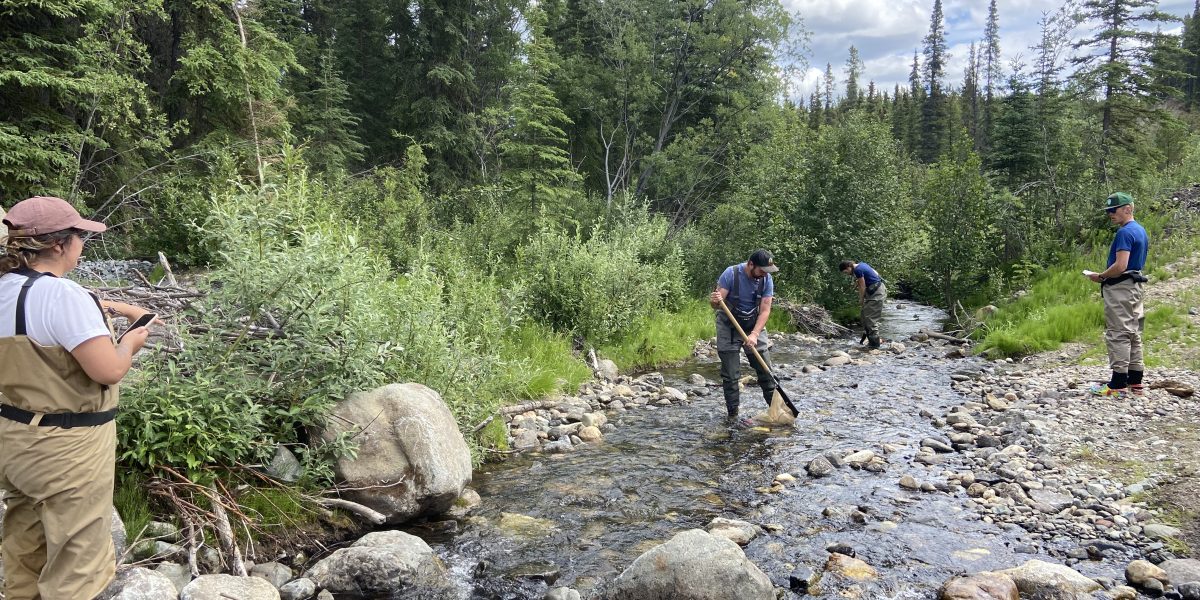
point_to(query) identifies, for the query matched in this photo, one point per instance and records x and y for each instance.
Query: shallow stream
(578, 519)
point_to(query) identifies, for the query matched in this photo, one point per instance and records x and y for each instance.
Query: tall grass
(1063, 306)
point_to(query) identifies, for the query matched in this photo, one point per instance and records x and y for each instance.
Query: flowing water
(578, 519)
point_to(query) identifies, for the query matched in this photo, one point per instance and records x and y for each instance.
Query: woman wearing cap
(59, 375)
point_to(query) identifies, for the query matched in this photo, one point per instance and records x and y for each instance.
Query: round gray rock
(412, 458)
(223, 587)
(693, 565)
(299, 589)
(382, 563)
(139, 583)
(1050, 581)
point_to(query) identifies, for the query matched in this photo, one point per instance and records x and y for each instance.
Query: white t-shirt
(58, 312)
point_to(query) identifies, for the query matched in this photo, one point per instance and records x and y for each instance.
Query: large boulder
(980, 586)
(1182, 570)
(412, 459)
(380, 564)
(1049, 581)
(693, 565)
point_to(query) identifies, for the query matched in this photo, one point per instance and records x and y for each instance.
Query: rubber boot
(873, 342)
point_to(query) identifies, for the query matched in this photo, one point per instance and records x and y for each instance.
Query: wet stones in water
(214, 587)
(692, 565)
(980, 586)
(298, 589)
(1182, 570)
(837, 360)
(850, 567)
(1189, 591)
(819, 467)
(841, 548)
(803, 579)
(738, 532)
(859, 459)
(1047, 580)
(381, 563)
(562, 593)
(909, 482)
(538, 571)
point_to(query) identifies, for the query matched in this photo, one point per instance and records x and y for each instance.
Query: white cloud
(886, 32)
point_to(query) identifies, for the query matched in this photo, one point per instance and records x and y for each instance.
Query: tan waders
(872, 312)
(57, 463)
(1124, 319)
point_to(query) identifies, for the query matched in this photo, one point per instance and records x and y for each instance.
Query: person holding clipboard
(60, 372)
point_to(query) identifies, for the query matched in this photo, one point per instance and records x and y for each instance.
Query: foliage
(599, 287)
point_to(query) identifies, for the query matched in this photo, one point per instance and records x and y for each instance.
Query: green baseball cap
(1118, 200)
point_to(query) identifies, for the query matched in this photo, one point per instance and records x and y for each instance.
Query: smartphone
(142, 321)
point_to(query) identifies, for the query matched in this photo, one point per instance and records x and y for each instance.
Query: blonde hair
(20, 251)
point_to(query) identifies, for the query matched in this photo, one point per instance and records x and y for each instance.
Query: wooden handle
(745, 338)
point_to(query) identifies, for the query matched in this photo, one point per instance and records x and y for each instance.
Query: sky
(886, 32)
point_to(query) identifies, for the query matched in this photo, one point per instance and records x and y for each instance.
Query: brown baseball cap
(46, 214)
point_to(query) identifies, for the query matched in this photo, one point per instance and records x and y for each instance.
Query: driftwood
(225, 533)
(365, 512)
(811, 319)
(528, 406)
(941, 336)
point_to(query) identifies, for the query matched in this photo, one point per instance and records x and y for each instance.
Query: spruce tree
(854, 70)
(991, 75)
(971, 100)
(829, 83)
(1116, 65)
(1191, 43)
(934, 128)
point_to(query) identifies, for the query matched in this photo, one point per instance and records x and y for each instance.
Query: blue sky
(887, 31)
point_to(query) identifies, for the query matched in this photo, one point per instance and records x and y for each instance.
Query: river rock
(1140, 571)
(223, 587)
(593, 419)
(561, 593)
(1181, 570)
(819, 467)
(607, 370)
(909, 482)
(980, 586)
(1050, 581)
(859, 458)
(412, 458)
(1189, 591)
(673, 394)
(382, 563)
(139, 583)
(850, 567)
(623, 391)
(1160, 531)
(835, 361)
(738, 532)
(180, 575)
(299, 589)
(590, 434)
(274, 572)
(697, 379)
(284, 466)
(693, 565)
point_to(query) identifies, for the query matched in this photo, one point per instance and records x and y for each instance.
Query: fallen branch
(528, 406)
(225, 533)
(948, 338)
(366, 512)
(485, 423)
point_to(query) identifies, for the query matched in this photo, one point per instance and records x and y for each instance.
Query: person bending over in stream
(749, 288)
(871, 294)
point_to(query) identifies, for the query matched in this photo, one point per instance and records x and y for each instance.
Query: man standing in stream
(1121, 290)
(871, 294)
(749, 289)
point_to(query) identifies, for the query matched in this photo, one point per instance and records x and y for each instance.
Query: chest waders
(57, 466)
(730, 348)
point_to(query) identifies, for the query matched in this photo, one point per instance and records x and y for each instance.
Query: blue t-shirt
(747, 287)
(864, 271)
(1131, 237)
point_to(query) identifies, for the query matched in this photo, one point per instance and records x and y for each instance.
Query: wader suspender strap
(63, 420)
(31, 277)
(737, 313)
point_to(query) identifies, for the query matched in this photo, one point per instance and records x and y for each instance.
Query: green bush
(598, 288)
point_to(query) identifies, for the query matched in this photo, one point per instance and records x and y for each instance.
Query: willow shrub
(598, 288)
(300, 314)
